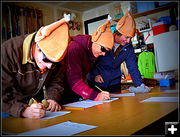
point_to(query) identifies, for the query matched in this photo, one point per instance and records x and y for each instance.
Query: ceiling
(80, 6)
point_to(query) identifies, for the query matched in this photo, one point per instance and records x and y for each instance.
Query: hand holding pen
(49, 104)
(35, 110)
(103, 95)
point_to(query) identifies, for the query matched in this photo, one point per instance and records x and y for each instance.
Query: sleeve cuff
(93, 95)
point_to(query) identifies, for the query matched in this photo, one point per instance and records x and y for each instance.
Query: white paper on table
(50, 114)
(82, 104)
(161, 99)
(171, 90)
(88, 103)
(122, 95)
(93, 102)
(67, 128)
(109, 100)
(101, 102)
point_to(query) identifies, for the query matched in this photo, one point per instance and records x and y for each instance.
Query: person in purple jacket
(107, 73)
(81, 54)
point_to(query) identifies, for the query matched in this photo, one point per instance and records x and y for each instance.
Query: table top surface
(124, 116)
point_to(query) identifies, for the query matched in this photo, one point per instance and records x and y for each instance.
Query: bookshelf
(162, 8)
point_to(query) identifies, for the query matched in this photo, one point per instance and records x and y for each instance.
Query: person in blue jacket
(106, 73)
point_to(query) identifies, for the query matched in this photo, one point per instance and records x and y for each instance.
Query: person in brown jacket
(31, 70)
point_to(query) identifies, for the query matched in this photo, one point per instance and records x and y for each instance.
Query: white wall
(102, 10)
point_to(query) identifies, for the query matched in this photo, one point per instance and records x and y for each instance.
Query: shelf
(162, 8)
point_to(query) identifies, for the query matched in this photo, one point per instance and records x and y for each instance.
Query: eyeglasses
(103, 49)
(45, 59)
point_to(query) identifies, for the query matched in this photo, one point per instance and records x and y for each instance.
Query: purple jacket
(78, 62)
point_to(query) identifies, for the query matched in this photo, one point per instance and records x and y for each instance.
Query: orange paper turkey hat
(53, 39)
(126, 25)
(103, 36)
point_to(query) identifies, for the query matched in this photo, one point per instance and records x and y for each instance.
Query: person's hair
(117, 32)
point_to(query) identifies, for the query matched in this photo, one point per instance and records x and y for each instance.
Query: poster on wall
(93, 24)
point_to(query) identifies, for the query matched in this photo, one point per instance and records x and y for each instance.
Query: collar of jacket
(120, 48)
(92, 57)
(26, 48)
(127, 45)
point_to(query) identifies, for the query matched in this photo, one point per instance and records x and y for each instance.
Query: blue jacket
(108, 67)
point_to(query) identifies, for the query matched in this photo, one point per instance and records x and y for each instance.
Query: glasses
(103, 49)
(47, 60)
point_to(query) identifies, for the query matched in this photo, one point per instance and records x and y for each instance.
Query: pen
(98, 88)
(34, 101)
(74, 108)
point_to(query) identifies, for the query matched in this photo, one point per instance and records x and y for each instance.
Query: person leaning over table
(31, 62)
(82, 52)
(107, 73)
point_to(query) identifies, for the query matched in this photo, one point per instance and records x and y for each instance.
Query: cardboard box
(167, 82)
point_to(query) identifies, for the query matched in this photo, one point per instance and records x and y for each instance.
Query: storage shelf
(166, 7)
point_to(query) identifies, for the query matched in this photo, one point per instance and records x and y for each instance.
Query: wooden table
(125, 116)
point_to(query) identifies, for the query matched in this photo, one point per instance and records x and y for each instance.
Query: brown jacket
(21, 78)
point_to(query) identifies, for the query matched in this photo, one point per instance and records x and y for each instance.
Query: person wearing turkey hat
(82, 52)
(31, 71)
(107, 73)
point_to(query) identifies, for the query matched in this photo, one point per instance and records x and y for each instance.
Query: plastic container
(167, 82)
(159, 27)
(166, 19)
